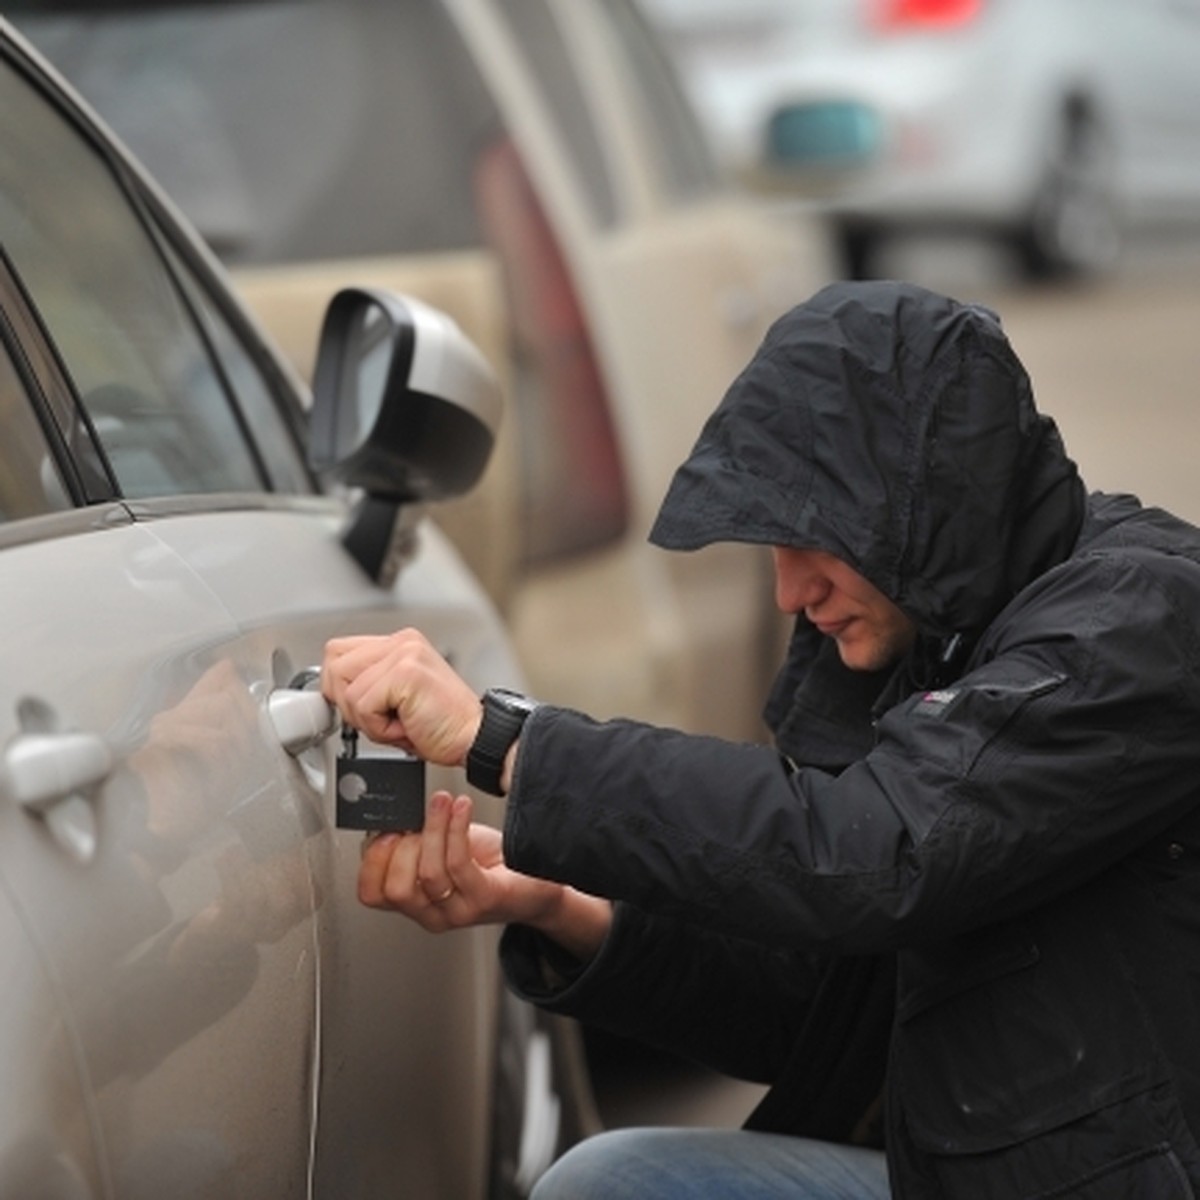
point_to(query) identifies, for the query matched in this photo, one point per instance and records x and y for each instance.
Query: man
(968, 875)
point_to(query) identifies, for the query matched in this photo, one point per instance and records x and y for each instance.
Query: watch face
(513, 701)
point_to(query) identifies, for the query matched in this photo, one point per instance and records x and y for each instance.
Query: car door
(154, 857)
(236, 1023)
(408, 1021)
(188, 1001)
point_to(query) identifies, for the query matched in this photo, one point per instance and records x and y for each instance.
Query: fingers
(367, 678)
(388, 872)
(461, 863)
(399, 690)
(448, 871)
(431, 876)
(433, 872)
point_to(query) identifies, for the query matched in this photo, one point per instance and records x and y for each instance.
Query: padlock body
(384, 794)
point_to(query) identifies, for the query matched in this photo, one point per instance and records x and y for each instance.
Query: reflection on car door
(406, 1022)
(145, 873)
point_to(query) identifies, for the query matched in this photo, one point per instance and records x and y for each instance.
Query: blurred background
(615, 200)
(1041, 155)
(1054, 129)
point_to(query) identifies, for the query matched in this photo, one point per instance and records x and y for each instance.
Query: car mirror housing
(404, 405)
(405, 408)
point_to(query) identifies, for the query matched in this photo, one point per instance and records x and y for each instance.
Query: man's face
(870, 631)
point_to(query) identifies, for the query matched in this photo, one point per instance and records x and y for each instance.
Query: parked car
(534, 169)
(195, 1003)
(1056, 126)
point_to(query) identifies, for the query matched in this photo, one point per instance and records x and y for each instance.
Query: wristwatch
(504, 714)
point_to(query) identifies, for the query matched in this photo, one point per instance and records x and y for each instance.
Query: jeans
(711, 1164)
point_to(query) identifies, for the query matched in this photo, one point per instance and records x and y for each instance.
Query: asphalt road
(1117, 364)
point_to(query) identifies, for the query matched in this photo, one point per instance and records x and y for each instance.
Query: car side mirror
(405, 407)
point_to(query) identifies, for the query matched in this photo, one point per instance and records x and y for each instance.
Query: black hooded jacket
(973, 880)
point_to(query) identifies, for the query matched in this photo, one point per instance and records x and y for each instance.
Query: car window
(29, 483)
(681, 150)
(536, 30)
(118, 322)
(288, 130)
(277, 449)
(136, 350)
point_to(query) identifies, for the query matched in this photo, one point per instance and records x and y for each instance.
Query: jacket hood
(896, 429)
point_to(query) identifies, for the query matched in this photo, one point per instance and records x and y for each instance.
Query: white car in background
(533, 168)
(1053, 125)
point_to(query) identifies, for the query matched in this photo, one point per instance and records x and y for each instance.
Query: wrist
(509, 768)
(576, 921)
(490, 760)
(470, 732)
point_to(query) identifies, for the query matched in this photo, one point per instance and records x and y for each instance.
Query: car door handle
(42, 769)
(52, 775)
(301, 719)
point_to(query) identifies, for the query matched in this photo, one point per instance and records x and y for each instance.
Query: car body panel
(161, 934)
(236, 876)
(198, 1005)
(372, 1014)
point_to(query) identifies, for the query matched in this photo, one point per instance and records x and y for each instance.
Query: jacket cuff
(539, 970)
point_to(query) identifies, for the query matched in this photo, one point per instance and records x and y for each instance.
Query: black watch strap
(504, 715)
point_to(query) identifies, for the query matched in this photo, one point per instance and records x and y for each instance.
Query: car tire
(1072, 229)
(542, 1101)
(858, 250)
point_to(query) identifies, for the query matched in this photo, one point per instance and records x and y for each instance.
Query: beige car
(532, 168)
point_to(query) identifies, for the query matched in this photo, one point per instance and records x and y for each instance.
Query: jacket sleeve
(730, 1005)
(1071, 739)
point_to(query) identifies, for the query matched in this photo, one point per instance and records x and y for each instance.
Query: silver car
(195, 1005)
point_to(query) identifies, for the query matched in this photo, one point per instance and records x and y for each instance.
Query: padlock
(378, 793)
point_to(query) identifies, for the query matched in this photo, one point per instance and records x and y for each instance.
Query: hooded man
(965, 879)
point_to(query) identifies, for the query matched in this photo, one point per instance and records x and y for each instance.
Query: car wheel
(1072, 229)
(542, 1096)
(858, 248)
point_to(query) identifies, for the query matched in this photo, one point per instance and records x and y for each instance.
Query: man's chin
(851, 657)
(862, 656)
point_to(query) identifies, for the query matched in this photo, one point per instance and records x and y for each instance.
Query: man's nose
(798, 582)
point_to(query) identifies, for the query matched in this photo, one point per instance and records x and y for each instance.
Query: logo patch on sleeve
(933, 704)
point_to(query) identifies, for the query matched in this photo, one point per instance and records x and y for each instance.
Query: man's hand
(452, 875)
(398, 690)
